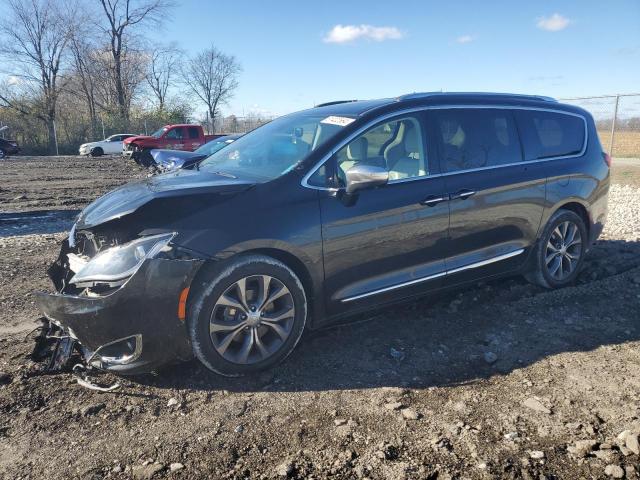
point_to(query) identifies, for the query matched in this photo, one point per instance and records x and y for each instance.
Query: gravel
(623, 221)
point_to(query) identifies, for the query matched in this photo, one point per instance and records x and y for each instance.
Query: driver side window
(175, 134)
(396, 145)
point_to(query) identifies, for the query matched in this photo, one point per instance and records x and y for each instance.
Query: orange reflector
(182, 304)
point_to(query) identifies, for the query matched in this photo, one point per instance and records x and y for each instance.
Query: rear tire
(559, 253)
(235, 333)
(97, 152)
(2, 154)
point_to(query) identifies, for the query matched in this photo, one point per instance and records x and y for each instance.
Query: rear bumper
(143, 310)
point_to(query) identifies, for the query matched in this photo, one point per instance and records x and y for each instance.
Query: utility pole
(613, 125)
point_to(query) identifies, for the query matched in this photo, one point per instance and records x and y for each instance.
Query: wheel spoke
(557, 233)
(555, 266)
(261, 347)
(224, 345)
(265, 282)
(247, 345)
(565, 226)
(226, 301)
(561, 266)
(571, 256)
(550, 258)
(575, 241)
(220, 328)
(282, 291)
(241, 288)
(282, 333)
(569, 263)
(281, 316)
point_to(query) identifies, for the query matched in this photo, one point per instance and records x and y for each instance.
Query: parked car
(167, 160)
(323, 213)
(8, 147)
(109, 146)
(172, 137)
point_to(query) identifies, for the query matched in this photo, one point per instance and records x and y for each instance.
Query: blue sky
(557, 48)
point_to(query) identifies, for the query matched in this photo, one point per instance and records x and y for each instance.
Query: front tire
(2, 154)
(559, 253)
(97, 152)
(246, 316)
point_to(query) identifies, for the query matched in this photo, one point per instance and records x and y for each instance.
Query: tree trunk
(51, 130)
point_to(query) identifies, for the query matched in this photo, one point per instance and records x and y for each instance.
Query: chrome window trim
(436, 275)
(325, 158)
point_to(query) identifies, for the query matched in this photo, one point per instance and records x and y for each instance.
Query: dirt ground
(502, 380)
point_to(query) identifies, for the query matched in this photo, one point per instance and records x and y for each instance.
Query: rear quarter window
(550, 134)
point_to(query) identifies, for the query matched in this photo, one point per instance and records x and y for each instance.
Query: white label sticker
(340, 121)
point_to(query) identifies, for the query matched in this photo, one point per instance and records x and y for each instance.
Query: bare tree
(86, 75)
(213, 77)
(164, 63)
(122, 16)
(36, 34)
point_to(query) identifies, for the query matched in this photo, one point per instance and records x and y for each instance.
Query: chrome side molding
(437, 275)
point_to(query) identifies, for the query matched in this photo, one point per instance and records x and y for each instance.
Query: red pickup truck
(172, 137)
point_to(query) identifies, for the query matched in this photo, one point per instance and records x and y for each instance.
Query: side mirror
(365, 176)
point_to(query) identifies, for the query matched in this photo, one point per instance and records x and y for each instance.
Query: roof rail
(335, 102)
(416, 95)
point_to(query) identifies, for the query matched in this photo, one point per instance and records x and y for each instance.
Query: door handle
(433, 200)
(462, 194)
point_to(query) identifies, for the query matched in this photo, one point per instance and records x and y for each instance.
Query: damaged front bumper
(134, 328)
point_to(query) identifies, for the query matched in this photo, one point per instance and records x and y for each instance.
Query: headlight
(119, 263)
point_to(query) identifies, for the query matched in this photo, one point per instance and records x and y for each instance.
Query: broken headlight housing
(119, 263)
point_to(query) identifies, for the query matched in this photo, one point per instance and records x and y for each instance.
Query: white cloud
(350, 33)
(465, 39)
(554, 23)
(13, 80)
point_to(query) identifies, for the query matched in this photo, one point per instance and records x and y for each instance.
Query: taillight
(607, 159)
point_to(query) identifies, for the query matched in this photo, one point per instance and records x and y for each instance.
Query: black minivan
(326, 212)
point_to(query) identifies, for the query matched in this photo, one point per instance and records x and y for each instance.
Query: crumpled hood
(137, 138)
(170, 159)
(128, 198)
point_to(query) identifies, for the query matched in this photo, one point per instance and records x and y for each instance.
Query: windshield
(277, 147)
(158, 133)
(213, 146)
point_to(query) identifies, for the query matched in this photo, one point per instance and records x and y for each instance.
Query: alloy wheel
(252, 319)
(563, 251)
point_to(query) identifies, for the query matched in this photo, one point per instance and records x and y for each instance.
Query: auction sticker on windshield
(340, 121)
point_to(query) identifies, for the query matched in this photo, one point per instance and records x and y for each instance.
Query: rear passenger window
(550, 134)
(476, 138)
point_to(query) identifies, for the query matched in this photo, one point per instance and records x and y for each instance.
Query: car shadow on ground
(455, 338)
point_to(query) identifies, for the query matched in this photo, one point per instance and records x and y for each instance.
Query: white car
(109, 146)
